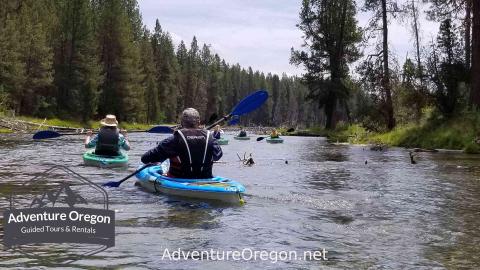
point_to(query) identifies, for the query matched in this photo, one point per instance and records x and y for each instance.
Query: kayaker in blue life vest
(191, 150)
(109, 139)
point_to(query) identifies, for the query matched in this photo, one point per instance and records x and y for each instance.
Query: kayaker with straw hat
(274, 134)
(109, 139)
(217, 132)
(191, 149)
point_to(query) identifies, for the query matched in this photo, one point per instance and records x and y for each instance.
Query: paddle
(288, 130)
(117, 183)
(212, 118)
(234, 121)
(49, 134)
(247, 105)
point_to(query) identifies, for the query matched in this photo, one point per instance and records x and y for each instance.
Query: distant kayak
(274, 140)
(241, 138)
(222, 141)
(91, 159)
(216, 188)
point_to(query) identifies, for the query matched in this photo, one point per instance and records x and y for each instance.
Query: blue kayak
(216, 188)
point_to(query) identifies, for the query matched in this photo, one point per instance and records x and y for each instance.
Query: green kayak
(241, 138)
(274, 140)
(222, 141)
(90, 159)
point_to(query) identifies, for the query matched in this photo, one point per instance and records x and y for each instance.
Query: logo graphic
(59, 209)
(71, 199)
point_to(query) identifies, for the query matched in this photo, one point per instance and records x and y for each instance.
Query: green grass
(134, 126)
(313, 131)
(5, 130)
(472, 148)
(353, 133)
(456, 133)
(52, 122)
(77, 124)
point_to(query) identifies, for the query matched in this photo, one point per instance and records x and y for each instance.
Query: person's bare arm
(126, 144)
(88, 138)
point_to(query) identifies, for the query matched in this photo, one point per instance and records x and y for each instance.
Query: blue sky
(256, 33)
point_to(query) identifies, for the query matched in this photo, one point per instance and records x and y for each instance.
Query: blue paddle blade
(46, 134)
(234, 121)
(250, 103)
(160, 129)
(112, 184)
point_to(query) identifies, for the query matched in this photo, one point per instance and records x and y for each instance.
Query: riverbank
(28, 124)
(435, 133)
(456, 133)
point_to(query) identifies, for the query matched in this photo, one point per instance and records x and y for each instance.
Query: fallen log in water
(49, 126)
(18, 125)
(12, 125)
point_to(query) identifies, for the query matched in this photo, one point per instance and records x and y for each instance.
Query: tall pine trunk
(475, 91)
(330, 107)
(386, 70)
(468, 31)
(417, 42)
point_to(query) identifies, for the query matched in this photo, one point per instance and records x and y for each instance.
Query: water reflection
(459, 240)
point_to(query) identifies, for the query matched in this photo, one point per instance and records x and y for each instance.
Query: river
(366, 209)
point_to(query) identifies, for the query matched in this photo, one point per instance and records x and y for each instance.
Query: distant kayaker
(274, 134)
(191, 150)
(242, 133)
(109, 139)
(217, 132)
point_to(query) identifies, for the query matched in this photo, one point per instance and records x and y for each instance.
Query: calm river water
(386, 214)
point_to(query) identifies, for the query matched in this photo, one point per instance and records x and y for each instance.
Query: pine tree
(12, 68)
(171, 80)
(123, 92)
(275, 99)
(149, 82)
(204, 87)
(214, 85)
(381, 9)
(475, 72)
(77, 71)
(182, 56)
(36, 96)
(331, 35)
(166, 66)
(135, 19)
(192, 74)
(447, 69)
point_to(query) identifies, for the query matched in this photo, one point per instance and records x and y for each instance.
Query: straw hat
(110, 121)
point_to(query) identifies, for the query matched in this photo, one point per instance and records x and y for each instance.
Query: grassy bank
(439, 133)
(5, 130)
(78, 124)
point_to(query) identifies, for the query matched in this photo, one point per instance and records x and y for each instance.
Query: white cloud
(256, 33)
